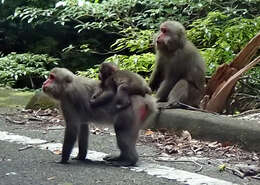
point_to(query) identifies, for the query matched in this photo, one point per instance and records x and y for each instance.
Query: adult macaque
(74, 94)
(179, 74)
(119, 83)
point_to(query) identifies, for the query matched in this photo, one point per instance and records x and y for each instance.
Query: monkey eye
(51, 77)
(164, 30)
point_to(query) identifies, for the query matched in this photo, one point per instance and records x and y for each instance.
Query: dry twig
(25, 148)
(16, 122)
(183, 161)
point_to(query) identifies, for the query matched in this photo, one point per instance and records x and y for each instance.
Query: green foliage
(221, 37)
(90, 73)
(205, 32)
(219, 28)
(128, 22)
(7, 7)
(31, 14)
(142, 64)
(137, 63)
(119, 14)
(88, 16)
(14, 67)
(238, 32)
(135, 40)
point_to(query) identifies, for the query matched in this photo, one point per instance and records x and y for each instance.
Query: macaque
(119, 83)
(179, 74)
(74, 95)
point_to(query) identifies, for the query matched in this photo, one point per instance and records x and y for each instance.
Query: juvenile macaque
(119, 83)
(74, 95)
(179, 74)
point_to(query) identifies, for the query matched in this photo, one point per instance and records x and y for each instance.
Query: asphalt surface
(35, 165)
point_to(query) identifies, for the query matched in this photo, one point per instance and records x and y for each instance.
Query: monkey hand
(96, 94)
(92, 100)
(121, 104)
(93, 97)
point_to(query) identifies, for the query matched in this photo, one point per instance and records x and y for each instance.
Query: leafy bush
(221, 37)
(142, 64)
(125, 27)
(135, 40)
(206, 31)
(122, 20)
(238, 32)
(15, 67)
(146, 14)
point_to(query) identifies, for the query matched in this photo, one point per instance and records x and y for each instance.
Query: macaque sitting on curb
(179, 74)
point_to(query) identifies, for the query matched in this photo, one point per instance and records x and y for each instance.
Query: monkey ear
(68, 78)
(182, 38)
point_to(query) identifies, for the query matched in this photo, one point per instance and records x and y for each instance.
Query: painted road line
(149, 168)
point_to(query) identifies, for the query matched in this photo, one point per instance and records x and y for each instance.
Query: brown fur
(74, 94)
(118, 83)
(179, 74)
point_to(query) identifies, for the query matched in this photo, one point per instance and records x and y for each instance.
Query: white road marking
(149, 168)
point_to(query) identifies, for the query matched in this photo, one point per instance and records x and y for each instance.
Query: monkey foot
(79, 158)
(167, 105)
(82, 160)
(178, 105)
(118, 161)
(111, 158)
(62, 162)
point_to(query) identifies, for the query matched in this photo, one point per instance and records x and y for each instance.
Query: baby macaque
(119, 83)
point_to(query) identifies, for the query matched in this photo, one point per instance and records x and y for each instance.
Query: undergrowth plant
(15, 67)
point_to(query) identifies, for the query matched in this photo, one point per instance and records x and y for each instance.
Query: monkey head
(170, 37)
(58, 80)
(106, 70)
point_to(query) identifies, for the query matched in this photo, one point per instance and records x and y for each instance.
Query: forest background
(37, 35)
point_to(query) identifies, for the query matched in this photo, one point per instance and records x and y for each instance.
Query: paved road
(36, 164)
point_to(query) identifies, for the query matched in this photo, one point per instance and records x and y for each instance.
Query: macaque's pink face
(56, 84)
(51, 87)
(49, 82)
(162, 35)
(170, 38)
(164, 38)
